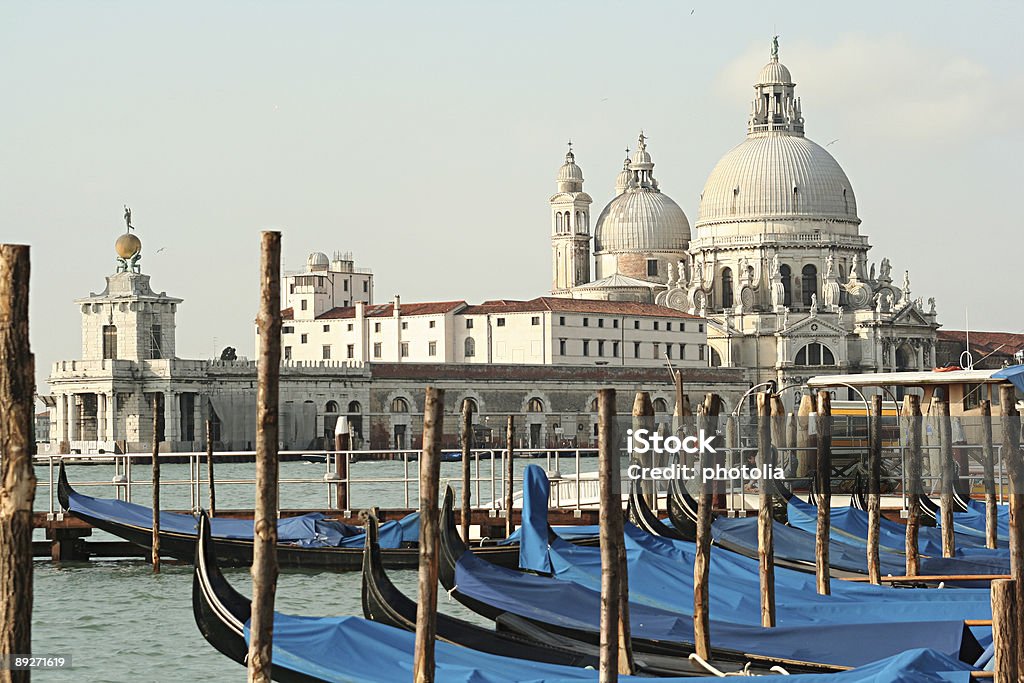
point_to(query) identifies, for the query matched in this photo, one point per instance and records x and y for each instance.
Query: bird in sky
(836, 140)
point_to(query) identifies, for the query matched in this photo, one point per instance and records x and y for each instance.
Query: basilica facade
(776, 261)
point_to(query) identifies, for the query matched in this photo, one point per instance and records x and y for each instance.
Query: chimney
(398, 306)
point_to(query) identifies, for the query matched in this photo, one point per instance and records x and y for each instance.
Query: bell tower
(570, 228)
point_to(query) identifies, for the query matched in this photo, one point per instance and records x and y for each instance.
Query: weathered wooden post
(467, 456)
(912, 421)
(209, 468)
(874, 490)
(155, 543)
(1014, 465)
(945, 429)
(430, 472)
(804, 440)
(17, 478)
(510, 450)
(707, 413)
(615, 646)
(823, 479)
(264, 556)
(1005, 636)
(778, 421)
(342, 443)
(988, 462)
(734, 457)
(643, 418)
(765, 538)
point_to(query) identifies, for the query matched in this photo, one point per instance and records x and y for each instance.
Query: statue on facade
(671, 274)
(785, 317)
(839, 318)
(906, 284)
(855, 268)
(814, 305)
(830, 264)
(775, 264)
(684, 273)
(884, 270)
(871, 275)
(931, 305)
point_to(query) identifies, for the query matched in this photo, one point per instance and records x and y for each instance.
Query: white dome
(774, 72)
(570, 172)
(641, 219)
(318, 261)
(777, 176)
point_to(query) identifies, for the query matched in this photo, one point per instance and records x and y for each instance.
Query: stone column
(58, 426)
(101, 417)
(171, 412)
(111, 401)
(72, 418)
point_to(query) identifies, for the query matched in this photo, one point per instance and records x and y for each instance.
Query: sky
(425, 138)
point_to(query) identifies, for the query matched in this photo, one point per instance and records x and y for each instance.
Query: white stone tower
(570, 229)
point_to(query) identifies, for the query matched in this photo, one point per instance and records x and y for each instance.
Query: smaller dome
(128, 245)
(318, 261)
(625, 176)
(570, 172)
(641, 155)
(774, 73)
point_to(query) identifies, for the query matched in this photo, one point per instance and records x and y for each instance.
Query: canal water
(120, 623)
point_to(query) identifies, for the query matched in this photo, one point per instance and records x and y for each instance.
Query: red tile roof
(387, 310)
(985, 342)
(560, 305)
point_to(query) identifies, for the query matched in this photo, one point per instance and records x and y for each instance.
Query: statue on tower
(128, 217)
(128, 246)
(775, 48)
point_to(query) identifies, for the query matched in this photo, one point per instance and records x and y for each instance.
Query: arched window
(660, 405)
(109, 341)
(809, 283)
(815, 354)
(906, 358)
(331, 407)
(568, 221)
(787, 285)
(558, 222)
(593, 405)
(715, 359)
(726, 288)
(579, 221)
(399, 405)
(535, 405)
(354, 407)
(470, 347)
(471, 402)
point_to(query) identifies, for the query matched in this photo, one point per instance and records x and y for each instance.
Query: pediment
(813, 326)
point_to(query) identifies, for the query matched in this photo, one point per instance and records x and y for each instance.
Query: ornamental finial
(775, 48)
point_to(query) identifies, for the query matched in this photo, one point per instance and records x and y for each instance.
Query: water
(121, 623)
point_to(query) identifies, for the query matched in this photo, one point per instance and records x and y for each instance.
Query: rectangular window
(668, 326)
(615, 323)
(500, 322)
(586, 347)
(405, 349)
(109, 341)
(586, 322)
(304, 338)
(287, 353)
(600, 322)
(636, 349)
(636, 324)
(303, 304)
(682, 327)
(700, 352)
(615, 349)
(652, 267)
(376, 327)
(432, 349)
(469, 323)
(433, 324)
(366, 285)
(350, 351)
(668, 351)
(561, 320)
(657, 350)
(405, 325)
(156, 342)
(682, 352)
(327, 351)
(561, 347)
(700, 328)
(327, 328)
(347, 327)
(600, 348)
(376, 349)
(535, 320)
(346, 285)
(655, 324)
(287, 330)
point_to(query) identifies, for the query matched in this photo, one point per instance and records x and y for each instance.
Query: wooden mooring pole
(430, 472)
(211, 482)
(915, 481)
(945, 429)
(823, 480)
(342, 443)
(707, 413)
(155, 543)
(467, 455)
(804, 440)
(1012, 456)
(989, 465)
(264, 557)
(17, 477)
(874, 490)
(765, 537)
(1005, 636)
(615, 657)
(510, 451)
(643, 418)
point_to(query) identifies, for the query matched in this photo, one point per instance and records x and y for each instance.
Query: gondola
(180, 543)
(311, 650)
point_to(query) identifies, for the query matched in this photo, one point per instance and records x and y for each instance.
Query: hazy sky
(425, 138)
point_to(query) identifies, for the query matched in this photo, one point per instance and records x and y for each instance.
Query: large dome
(641, 220)
(777, 176)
